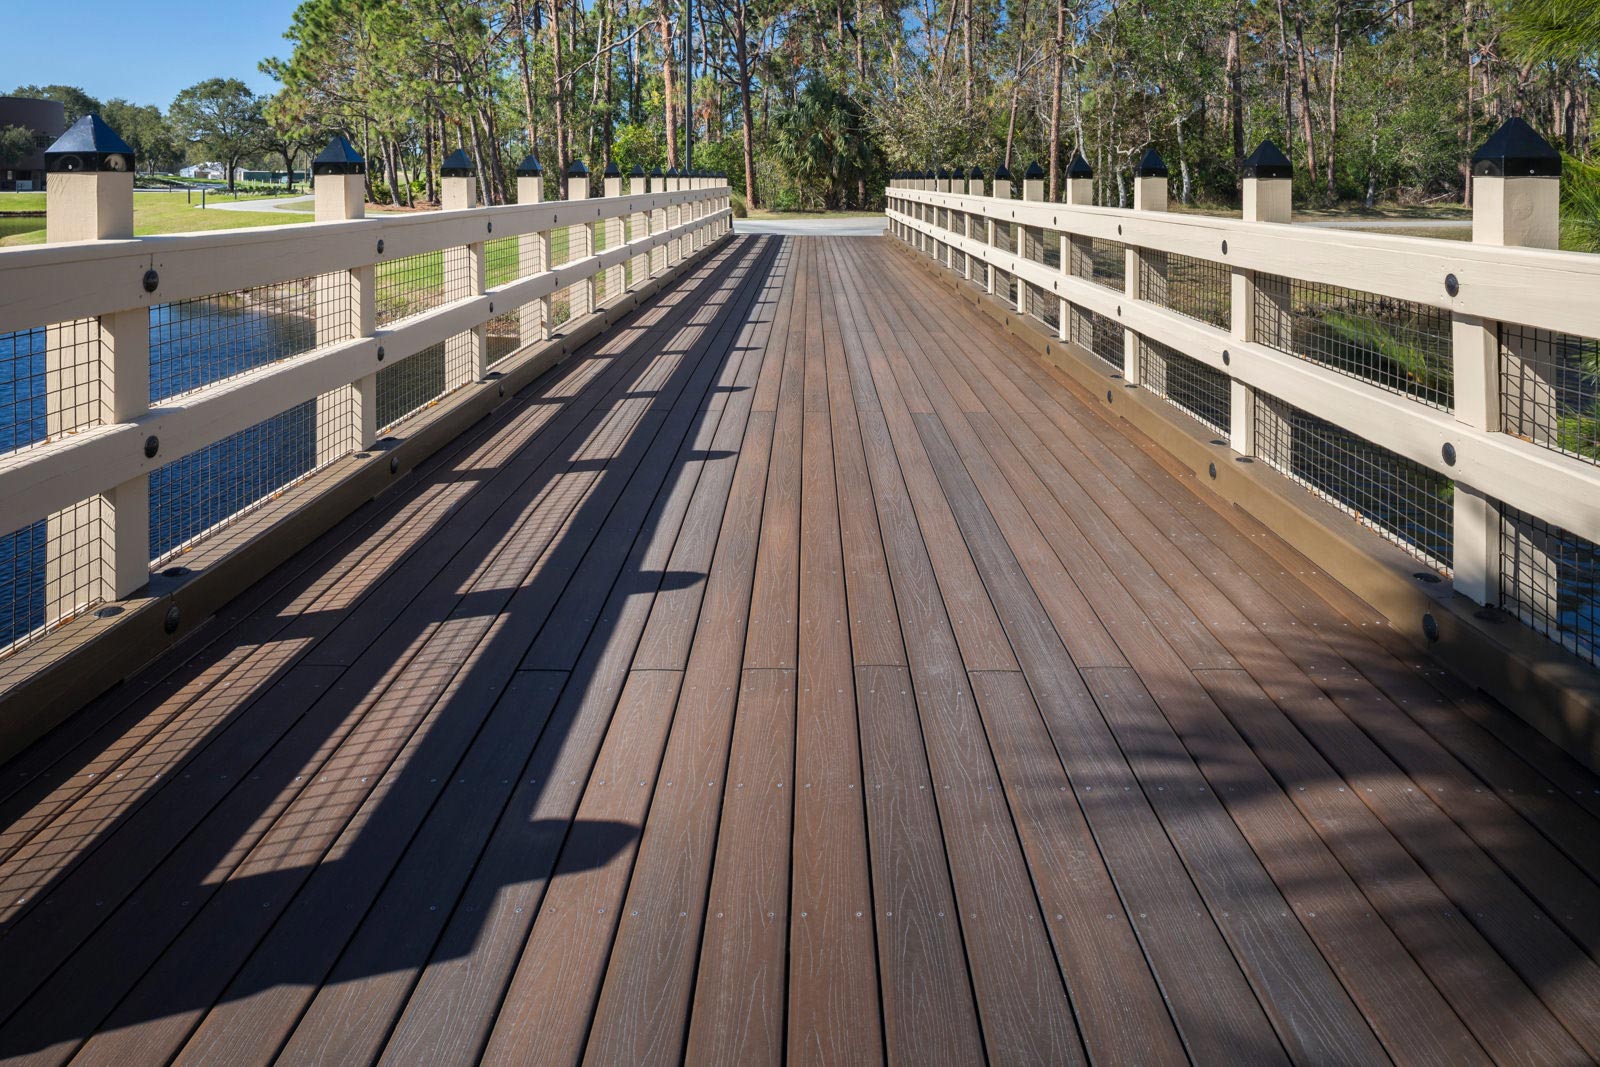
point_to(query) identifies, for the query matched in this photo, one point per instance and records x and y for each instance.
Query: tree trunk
(1305, 97)
(1333, 98)
(1236, 100)
(741, 47)
(1055, 96)
(1016, 82)
(1288, 85)
(531, 127)
(560, 97)
(664, 24)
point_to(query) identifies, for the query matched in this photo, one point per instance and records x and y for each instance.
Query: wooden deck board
(805, 673)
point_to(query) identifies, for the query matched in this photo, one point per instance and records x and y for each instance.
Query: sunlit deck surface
(807, 672)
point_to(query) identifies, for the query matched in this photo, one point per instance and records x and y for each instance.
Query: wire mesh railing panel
(1101, 261)
(1550, 389)
(52, 571)
(1044, 306)
(411, 285)
(1186, 383)
(1550, 580)
(197, 494)
(204, 340)
(1395, 344)
(1098, 334)
(50, 382)
(1399, 498)
(1194, 287)
(411, 385)
(502, 261)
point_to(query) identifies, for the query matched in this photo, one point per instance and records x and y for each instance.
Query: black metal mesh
(1403, 500)
(1098, 334)
(196, 494)
(204, 340)
(411, 385)
(1550, 579)
(1396, 344)
(52, 571)
(411, 285)
(1186, 383)
(1101, 261)
(1194, 287)
(1550, 389)
(502, 261)
(44, 395)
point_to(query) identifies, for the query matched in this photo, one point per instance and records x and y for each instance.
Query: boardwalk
(805, 672)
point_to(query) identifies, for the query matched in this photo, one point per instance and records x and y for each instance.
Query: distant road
(859, 226)
(1386, 224)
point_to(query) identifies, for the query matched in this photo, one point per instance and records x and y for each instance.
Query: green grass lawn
(152, 213)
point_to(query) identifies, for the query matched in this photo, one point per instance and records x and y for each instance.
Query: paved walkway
(298, 204)
(839, 226)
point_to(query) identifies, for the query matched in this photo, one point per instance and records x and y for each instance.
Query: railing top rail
(1552, 289)
(60, 282)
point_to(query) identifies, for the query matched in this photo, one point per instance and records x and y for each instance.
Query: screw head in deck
(151, 280)
(174, 617)
(1449, 454)
(380, 353)
(152, 445)
(1212, 470)
(1452, 284)
(1430, 627)
(380, 246)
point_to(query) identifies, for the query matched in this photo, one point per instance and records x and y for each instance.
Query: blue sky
(144, 53)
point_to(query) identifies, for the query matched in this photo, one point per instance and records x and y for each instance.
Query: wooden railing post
(464, 354)
(1080, 193)
(1000, 191)
(1029, 238)
(98, 549)
(580, 239)
(533, 253)
(1268, 197)
(347, 418)
(613, 231)
(974, 221)
(675, 217)
(1149, 194)
(1516, 201)
(658, 223)
(639, 227)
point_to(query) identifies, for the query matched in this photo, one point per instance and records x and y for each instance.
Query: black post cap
(1033, 173)
(89, 145)
(1079, 167)
(340, 157)
(458, 165)
(655, 172)
(577, 169)
(1268, 161)
(529, 167)
(1516, 151)
(975, 173)
(1152, 165)
(672, 172)
(1002, 173)
(612, 170)
(942, 174)
(636, 172)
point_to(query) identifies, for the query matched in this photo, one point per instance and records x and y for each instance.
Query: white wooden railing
(1493, 420)
(81, 317)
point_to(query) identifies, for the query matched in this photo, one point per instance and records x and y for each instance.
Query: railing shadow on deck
(143, 962)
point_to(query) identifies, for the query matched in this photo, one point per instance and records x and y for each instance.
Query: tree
(155, 146)
(76, 102)
(16, 144)
(222, 117)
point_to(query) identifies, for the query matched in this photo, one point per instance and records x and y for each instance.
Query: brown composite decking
(806, 672)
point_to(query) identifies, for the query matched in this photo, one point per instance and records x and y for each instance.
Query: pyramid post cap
(672, 172)
(458, 165)
(89, 145)
(1033, 173)
(637, 171)
(612, 170)
(1079, 167)
(942, 174)
(1002, 173)
(1268, 161)
(339, 157)
(975, 173)
(1515, 150)
(655, 172)
(529, 167)
(1151, 165)
(577, 169)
